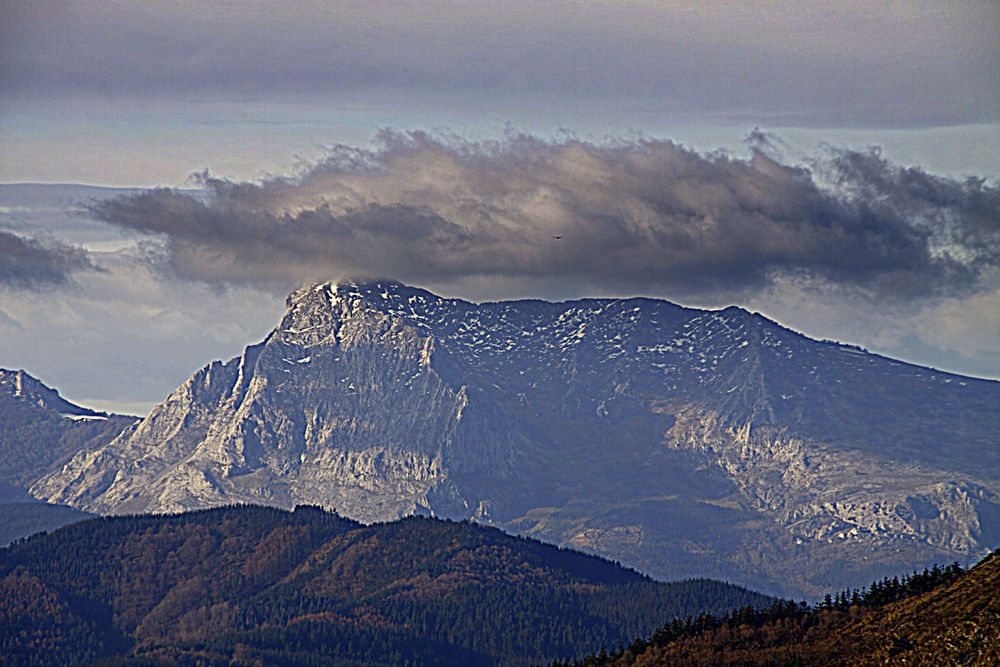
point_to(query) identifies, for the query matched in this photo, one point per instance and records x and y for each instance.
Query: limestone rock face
(682, 442)
(40, 430)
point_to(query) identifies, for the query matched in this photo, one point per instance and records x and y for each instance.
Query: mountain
(953, 621)
(255, 585)
(41, 431)
(682, 442)
(54, 208)
(22, 519)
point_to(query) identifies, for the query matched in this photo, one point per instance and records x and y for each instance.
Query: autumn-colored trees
(249, 585)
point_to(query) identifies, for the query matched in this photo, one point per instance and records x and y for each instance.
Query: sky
(832, 165)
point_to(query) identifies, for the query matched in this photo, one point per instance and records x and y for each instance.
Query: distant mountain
(55, 209)
(46, 195)
(21, 198)
(40, 431)
(682, 442)
(956, 622)
(22, 519)
(254, 585)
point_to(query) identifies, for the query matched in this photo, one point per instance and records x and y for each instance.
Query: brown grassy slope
(956, 624)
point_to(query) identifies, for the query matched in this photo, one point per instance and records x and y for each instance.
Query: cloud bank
(841, 63)
(642, 216)
(31, 264)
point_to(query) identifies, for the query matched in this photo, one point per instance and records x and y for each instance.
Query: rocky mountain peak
(382, 295)
(663, 436)
(21, 386)
(40, 430)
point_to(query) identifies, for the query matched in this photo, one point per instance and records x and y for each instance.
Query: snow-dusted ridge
(681, 441)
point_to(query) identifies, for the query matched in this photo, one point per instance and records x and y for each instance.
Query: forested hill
(942, 616)
(251, 585)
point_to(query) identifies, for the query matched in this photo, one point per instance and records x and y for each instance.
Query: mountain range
(679, 441)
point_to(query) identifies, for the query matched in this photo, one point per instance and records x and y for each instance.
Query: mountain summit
(680, 441)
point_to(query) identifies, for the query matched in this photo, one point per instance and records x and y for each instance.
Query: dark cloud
(31, 264)
(638, 216)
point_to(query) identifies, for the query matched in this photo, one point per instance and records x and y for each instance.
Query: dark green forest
(253, 585)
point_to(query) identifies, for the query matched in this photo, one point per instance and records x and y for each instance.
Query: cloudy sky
(833, 165)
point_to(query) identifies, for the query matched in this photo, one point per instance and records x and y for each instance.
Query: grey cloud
(924, 197)
(123, 338)
(640, 216)
(30, 264)
(840, 63)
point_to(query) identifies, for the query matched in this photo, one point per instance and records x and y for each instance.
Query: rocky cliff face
(680, 441)
(40, 430)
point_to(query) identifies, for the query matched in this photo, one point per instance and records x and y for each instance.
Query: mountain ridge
(42, 430)
(594, 423)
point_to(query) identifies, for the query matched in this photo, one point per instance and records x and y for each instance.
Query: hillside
(246, 584)
(956, 622)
